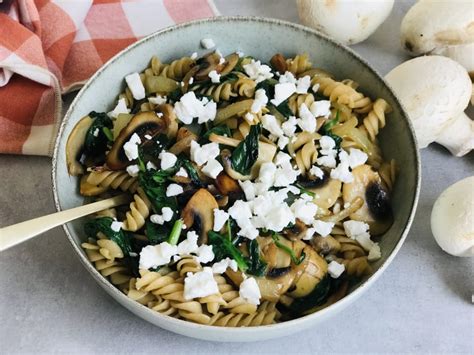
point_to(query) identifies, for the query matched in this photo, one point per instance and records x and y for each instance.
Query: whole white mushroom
(435, 91)
(441, 27)
(452, 218)
(348, 21)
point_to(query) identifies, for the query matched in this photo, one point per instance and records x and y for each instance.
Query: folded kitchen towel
(51, 47)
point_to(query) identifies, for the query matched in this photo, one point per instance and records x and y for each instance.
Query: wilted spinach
(315, 298)
(257, 266)
(223, 247)
(156, 233)
(97, 139)
(154, 183)
(245, 154)
(102, 224)
(326, 130)
(288, 250)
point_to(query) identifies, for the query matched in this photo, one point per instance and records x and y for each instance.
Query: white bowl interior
(260, 38)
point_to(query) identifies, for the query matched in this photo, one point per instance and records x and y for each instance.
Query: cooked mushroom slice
(206, 64)
(183, 141)
(200, 211)
(326, 195)
(309, 273)
(170, 117)
(87, 189)
(230, 62)
(74, 145)
(297, 231)
(376, 210)
(226, 185)
(225, 155)
(141, 124)
(278, 62)
(325, 245)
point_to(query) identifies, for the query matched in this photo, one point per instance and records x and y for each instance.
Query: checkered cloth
(50, 47)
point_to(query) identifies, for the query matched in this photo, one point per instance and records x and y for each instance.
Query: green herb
(240, 66)
(102, 224)
(156, 233)
(267, 85)
(190, 169)
(222, 130)
(175, 95)
(304, 190)
(151, 149)
(245, 154)
(257, 266)
(175, 232)
(288, 250)
(326, 130)
(315, 298)
(284, 109)
(223, 247)
(108, 133)
(96, 140)
(154, 183)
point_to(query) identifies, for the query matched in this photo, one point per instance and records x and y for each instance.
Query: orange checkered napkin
(50, 47)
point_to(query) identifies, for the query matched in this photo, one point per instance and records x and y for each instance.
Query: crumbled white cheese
(221, 60)
(147, 136)
(151, 166)
(321, 108)
(174, 190)
(282, 159)
(272, 125)
(136, 86)
(323, 228)
(131, 147)
(189, 245)
(212, 168)
(221, 266)
(116, 226)
(257, 71)
(315, 88)
(304, 210)
(260, 100)
(289, 126)
(335, 269)
(205, 254)
(279, 217)
(307, 121)
(283, 142)
(285, 175)
(157, 219)
(182, 172)
(200, 284)
(194, 55)
(215, 77)
(96, 132)
(207, 43)
(167, 213)
(202, 154)
(247, 230)
(240, 54)
(353, 228)
(316, 171)
(157, 100)
(240, 210)
(374, 253)
(303, 84)
(327, 143)
(168, 160)
(327, 161)
(121, 107)
(220, 217)
(288, 77)
(356, 157)
(327, 151)
(249, 291)
(248, 188)
(159, 114)
(189, 107)
(266, 173)
(364, 240)
(153, 256)
(342, 172)
(133, 170)
(282, 92)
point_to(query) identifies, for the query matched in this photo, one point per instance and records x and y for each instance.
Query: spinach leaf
(304, 190)
(175, 95)
(245, 154)
(257, 266)
(96, 141)
(283, 108)
(150, 149)
(315, 298)
(223, 247)
(222, 130)
(190, 169)
(326, 130)
(267, 85)
(156, 233)
(102, 224)
(288, 250)
(154, 183)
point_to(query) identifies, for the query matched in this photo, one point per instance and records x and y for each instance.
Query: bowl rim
(297, 323)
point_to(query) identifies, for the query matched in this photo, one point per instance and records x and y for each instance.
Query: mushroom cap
(430, 25)
(348, 22)
(463, 54)
(433, 90)
(452, 218)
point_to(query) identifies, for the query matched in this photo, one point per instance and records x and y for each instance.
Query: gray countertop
(422, 303)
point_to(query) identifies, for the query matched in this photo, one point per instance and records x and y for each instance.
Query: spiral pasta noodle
(375, 120)
(139, 211)
(113, 180)
(175, 70)
(223, 91)
(244, 86)
(358, 266)
(299, 64)
(388, 173)
(296, 100)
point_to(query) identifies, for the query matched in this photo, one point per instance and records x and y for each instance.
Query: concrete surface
(422, 303)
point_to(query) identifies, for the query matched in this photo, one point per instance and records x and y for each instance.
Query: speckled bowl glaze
(260, 38)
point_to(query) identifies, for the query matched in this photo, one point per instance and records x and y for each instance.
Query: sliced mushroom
(170, 118)
(141, 124)
(206, 64)
(376, 210)
(230, 62)
(297, 231)
(309, 273)
(326, 195)
(184, 138)
(200, 211)
(278, 62)
(74, 145)
(325, 245)
(226, 185)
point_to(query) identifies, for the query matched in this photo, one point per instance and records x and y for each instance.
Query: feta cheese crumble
(207, 43)
(316, 171)
(135, 85)
(323, 228)
(182, 172)
(249, 291)
(131, 147)
(189, 245)
(283, 92)
(260, 100)
(168, 160)
(258, 71)
(215, 77)
(190, 107)
(307, 121)
(354, 228)
(202, 154)
(212, 168)
(221, 266)
(151, 166)
(335, 269)
(356, 158)
(153, 256)
(133, 170)
(321, 108)
(220, 217)
(116, 226)
(200, 284)
(121, 107)
(174, 190)
(204, 254)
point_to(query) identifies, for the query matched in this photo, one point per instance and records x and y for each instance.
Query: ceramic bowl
(260, 38)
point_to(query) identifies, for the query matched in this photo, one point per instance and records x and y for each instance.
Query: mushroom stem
(458, 135)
